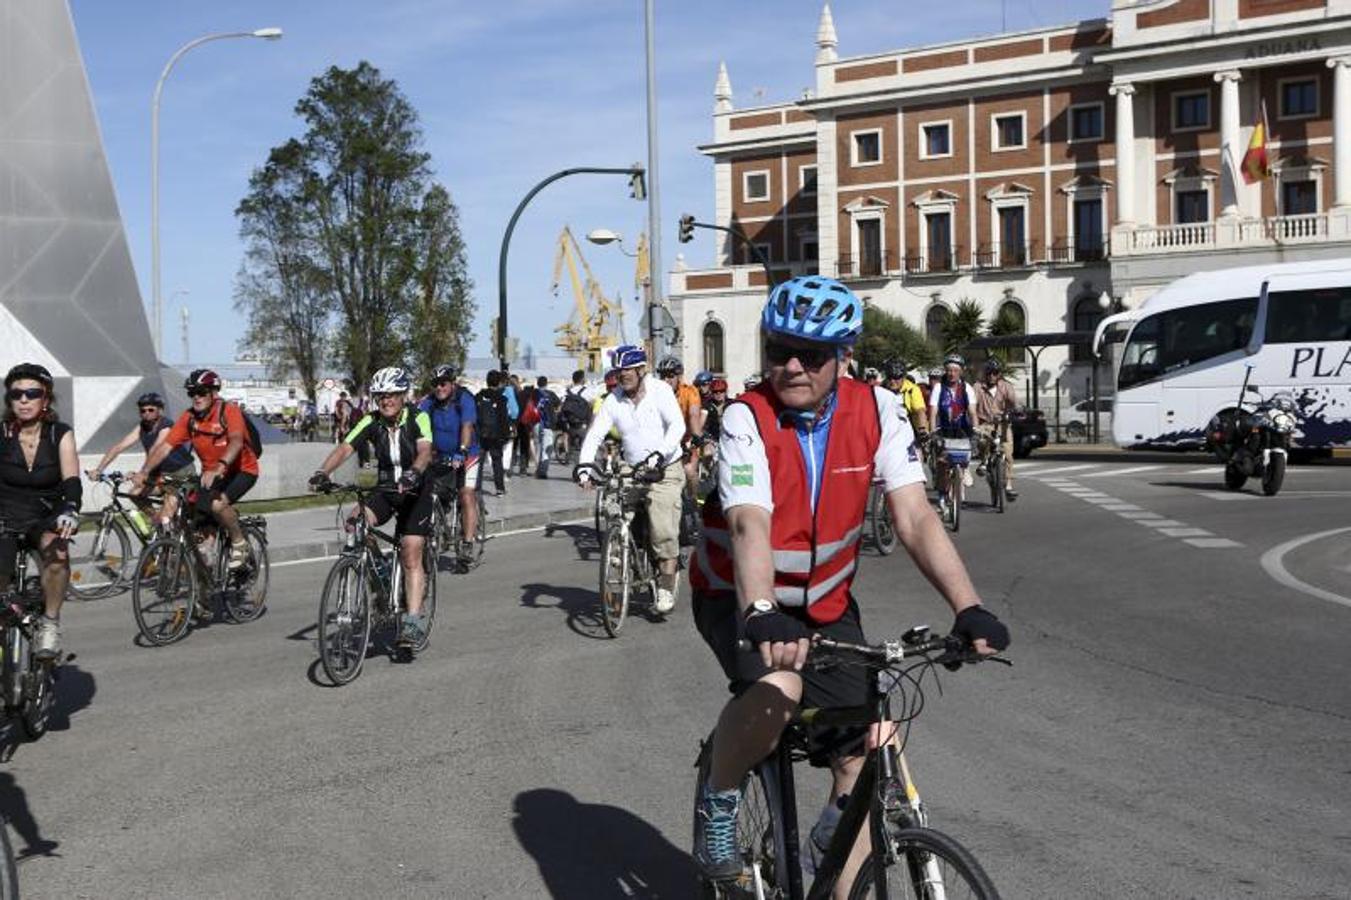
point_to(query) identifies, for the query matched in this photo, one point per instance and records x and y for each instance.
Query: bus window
(1306, 317)
(1182, 337)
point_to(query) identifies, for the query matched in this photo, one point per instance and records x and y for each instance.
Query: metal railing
(868, 265)
(1077, 251)
(938, 261)
(1005, 256)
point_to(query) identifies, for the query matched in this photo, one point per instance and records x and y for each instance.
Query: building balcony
(1238, 234)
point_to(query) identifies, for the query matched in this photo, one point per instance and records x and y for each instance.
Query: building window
(935, 320)
(810, 249)
(1086, 315)
(1299, 98)
(766, 250)
(1010, 131)
(1088, 231)
(869, 247)
(938, 233)
(806, 181)
(867, 148)
(755, 186)
(713, 347)
(1299, 198)
(935, 140)
(1193, 207)
(1191, 111)
(1013, 235)
(1086, 122)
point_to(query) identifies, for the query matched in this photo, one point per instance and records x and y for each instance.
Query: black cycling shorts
(230, 486)
(716, 616)
(414, 510)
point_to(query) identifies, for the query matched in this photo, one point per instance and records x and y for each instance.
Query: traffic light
(686, 228)
(637, 183)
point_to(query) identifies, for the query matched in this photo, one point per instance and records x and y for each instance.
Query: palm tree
(966, 323)
(887, 336)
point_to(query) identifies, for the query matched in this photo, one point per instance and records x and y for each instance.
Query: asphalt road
(1177, 723)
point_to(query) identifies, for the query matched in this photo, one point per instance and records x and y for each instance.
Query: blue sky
(508, 92)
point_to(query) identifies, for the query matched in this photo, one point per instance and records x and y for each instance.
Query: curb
(497, 526)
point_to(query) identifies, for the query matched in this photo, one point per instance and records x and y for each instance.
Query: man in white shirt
(645, 413)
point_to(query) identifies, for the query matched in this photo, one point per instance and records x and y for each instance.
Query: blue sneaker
(412, 630)
(715, 850)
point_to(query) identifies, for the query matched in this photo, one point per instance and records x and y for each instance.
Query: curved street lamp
(267, 34)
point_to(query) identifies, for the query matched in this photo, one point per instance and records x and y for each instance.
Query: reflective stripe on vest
(815, 552)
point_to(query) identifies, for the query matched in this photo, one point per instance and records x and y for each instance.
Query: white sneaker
(665, 600)
(47, 643)
(966, 477)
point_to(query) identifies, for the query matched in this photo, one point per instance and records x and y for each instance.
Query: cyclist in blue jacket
(454, 415)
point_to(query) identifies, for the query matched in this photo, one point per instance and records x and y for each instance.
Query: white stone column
(1125, 152)
(1341, 130)
(1231, 150)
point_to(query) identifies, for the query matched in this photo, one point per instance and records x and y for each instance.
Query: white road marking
(1226, 495)
(1185, 532)
(1212, 543)
(1121, 507)
(1133, 469)
(1164, 523)
(1100, 501)
(1140, 517)
(1273, 561)
(1208, 470)
(1077, 468)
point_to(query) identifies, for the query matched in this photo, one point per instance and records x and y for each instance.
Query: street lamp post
(655, 293)
(269, 34)
(603, 236)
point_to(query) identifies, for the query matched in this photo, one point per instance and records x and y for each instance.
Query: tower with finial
(722, 91)
(826, 41)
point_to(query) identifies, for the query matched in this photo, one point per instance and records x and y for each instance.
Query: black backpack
(494, 424)
(576, 412)
(254, 440)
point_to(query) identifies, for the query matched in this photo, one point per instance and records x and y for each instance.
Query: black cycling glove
(976, 622)
(410, 480)
(774, 628)
(318, 481)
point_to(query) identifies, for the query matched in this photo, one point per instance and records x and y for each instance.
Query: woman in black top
(39, 491)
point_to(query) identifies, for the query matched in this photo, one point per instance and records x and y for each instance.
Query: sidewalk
(529, 503)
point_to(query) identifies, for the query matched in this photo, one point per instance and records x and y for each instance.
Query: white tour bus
(1188, 346)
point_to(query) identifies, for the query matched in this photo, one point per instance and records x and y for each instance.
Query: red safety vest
(815, 555)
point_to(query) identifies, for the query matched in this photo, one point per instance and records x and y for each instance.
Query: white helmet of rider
(390, 380)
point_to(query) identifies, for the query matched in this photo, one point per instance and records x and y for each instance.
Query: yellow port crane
(597, 322)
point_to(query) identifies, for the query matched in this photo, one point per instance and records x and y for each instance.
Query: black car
(1029, 432)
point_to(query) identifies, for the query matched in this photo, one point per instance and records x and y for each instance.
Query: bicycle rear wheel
(760, 838)
(883, 534)
(163, 591)
(956, 491)
(616, 580)
(927, 865)
(344, 621)
(997, 478)
(246, 596)
(39, 697)
(101, 560)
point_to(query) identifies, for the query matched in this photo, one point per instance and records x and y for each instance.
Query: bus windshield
(1177, 338)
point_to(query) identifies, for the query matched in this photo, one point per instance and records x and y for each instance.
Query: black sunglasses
(27, 393)
(811, 358)
(149, 409)
(198, 391)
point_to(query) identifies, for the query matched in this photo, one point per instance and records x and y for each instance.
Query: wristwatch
(761, 607)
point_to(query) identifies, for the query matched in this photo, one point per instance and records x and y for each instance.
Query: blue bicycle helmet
(703, 378)
(629, 357)
(814, 309)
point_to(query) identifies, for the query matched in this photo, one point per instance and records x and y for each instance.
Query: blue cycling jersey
(812, 436)
(446, 422)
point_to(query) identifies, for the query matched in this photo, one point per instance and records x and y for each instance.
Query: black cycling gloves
(976, 622)
(318, 481)
(775, 627)
(410, 480)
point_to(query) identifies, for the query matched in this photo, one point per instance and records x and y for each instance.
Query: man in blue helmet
(776, 562)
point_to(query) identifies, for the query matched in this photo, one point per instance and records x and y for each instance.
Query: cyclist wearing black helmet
(994, 401)
(149, 432)
(40, 491)
(912, 398)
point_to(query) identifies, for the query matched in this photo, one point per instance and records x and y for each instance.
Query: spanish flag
(1255, 164)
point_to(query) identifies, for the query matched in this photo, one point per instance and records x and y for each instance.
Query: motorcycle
(1254, 443)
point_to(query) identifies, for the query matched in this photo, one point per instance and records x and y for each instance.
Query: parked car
(1077, 421)
(1029, 432)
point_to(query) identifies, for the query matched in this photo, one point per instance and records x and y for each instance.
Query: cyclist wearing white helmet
(951, 415)
(776, 562)
(644, 411)
(400, 436)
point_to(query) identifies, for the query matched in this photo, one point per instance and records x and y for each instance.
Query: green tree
(443, 303)
(966, 323)
(1009, 322)
(279, 287)
(887, 336)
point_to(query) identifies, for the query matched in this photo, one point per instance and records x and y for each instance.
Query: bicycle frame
(390, 592)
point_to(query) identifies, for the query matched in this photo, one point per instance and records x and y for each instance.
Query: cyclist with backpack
(546, 408)
(454, 415)
(575, 413)
(226, 444)
(496, 427)
(400, 437)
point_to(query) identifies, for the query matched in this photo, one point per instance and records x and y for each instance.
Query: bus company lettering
(1283, 48)
(1315, 354)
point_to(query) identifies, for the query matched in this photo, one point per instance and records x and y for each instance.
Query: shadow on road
(591, 851)
(583, 538)
(580, 605)
(75, 689)
(1196, 485)
(14, 808)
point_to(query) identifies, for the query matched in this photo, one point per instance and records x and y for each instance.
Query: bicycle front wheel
(883, 534)
(344, 621)
(163, 591)
(956, 490)
(100, 560)
(39, 696)
(997, 482)
(616, 580)
(428, 599)
(925, 865)
(246, 596)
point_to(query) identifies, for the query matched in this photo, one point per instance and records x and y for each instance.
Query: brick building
(1056, 172)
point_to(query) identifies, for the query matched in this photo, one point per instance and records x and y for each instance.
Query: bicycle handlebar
(951, 650)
